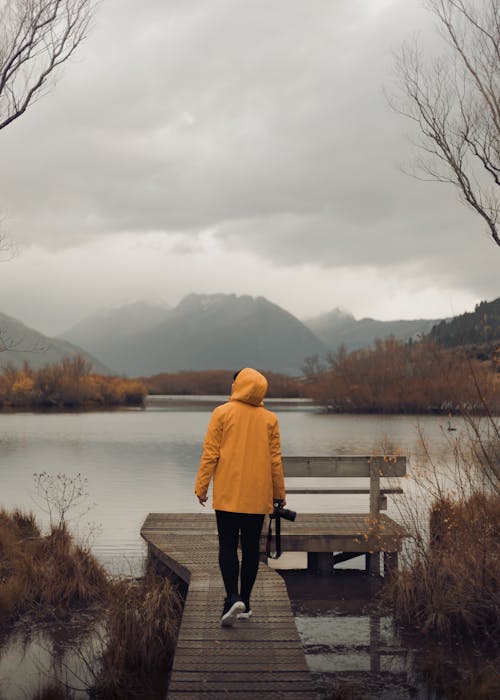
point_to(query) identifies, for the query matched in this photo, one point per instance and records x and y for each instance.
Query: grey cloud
(264, 121)
(189, 117)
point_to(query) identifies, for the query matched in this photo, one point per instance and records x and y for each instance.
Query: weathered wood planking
(259, 657)
(311, 532)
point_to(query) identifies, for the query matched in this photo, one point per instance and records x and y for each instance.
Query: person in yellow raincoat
(242, 454)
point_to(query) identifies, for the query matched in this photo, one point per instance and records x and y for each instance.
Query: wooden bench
(340, 537)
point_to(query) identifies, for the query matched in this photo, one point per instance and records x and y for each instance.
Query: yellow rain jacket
(242, 451)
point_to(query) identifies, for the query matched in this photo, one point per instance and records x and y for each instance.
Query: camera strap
(277, 553)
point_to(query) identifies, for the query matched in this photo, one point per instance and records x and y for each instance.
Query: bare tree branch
(36, 37)
(454, 102)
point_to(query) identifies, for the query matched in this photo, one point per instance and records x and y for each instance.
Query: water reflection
(35, 656)
(350, 647)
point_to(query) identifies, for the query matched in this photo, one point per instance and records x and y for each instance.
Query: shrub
(67, 384)
(393, 377)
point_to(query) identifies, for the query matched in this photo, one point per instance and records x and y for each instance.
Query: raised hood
(249, 386)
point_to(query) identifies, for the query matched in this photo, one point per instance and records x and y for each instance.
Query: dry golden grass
(452, 586)
(45, 574)
(142, 621)
(461, 676)
(51, 576)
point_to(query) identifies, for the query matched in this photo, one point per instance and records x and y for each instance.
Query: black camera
(280, 512)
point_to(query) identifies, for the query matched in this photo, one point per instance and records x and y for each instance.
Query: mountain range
(337, 328)
(218, 331)
(215, 331)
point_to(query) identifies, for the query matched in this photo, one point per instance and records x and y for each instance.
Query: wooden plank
(344, 466)
(229, 647)
(241, 663)
(247, 681)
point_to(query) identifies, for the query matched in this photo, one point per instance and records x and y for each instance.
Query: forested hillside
(474, 328)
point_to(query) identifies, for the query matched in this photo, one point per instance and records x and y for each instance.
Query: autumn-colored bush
(393, 377)
(67, 384)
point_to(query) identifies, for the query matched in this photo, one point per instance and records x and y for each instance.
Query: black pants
(229, 526)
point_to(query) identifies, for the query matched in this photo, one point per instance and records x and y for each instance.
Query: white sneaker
(232, 609)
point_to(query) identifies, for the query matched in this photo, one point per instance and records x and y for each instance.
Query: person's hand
(202, 500)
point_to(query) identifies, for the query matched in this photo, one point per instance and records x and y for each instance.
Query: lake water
(142, 461)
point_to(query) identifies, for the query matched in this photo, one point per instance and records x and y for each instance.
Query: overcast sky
(233, 146)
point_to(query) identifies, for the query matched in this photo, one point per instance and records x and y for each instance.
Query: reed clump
(51, 577)
(46, 575)
(462, 675)
(451, 589)
(142, 622)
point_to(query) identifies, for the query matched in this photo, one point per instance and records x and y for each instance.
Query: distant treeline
(218, 382)
(394, 377)
(67, 384)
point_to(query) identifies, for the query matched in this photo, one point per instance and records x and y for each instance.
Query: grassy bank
(50, 577)
(68, 384)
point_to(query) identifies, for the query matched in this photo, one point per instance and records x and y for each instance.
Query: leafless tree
(36, 37)
(455, 102)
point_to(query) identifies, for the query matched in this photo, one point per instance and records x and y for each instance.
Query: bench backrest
(372, 467)
(342, 465)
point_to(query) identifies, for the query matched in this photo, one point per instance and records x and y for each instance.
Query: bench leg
(320, 562)
(373, 563)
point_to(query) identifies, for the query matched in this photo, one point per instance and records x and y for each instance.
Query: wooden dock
(262, 656)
